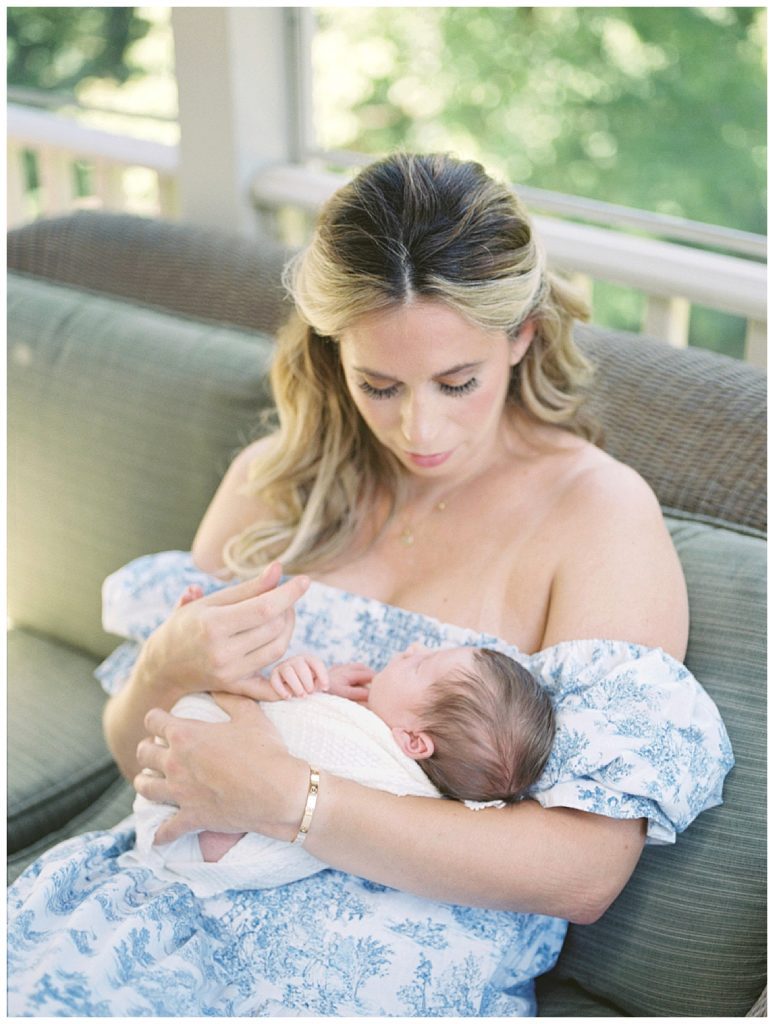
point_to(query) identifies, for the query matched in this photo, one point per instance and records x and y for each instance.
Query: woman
(433, 456)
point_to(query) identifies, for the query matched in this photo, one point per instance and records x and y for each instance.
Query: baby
(476, 721)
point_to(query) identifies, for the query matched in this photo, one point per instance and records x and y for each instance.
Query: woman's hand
(233, 776)
(223, 641)
(219, 642)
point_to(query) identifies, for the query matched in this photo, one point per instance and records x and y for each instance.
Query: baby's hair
(492, 730)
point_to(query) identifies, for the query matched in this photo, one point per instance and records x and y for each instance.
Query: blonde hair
(492, 730)
(406, 227)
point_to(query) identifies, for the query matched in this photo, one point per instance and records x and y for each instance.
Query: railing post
(755, 344)
(584, 285)
(57, 180)
(109, 184)
(168, 196)
(236, 111)
(16, 193)
(667, 319)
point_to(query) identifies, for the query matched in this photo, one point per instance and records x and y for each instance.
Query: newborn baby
(476, 722)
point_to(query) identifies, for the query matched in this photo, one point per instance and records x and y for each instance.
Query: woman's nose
(418, 422)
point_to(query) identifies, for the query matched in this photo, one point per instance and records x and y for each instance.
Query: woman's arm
(619, 577)
(561, 862)
(229, 512)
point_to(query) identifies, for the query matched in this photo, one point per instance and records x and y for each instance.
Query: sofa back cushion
(680, 417)
(177, 267)
(692, 423)
(121, 423)
(687, 937)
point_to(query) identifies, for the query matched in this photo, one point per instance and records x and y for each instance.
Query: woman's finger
(153, 787)
(156, 722)
(258, 636)
(175, 826)
(265, 581)
(151, 755)
(265, 606)
(243, 670)
(244, 709)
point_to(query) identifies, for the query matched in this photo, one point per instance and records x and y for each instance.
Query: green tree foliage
(658, 108)
(56, 48)
(661, 108)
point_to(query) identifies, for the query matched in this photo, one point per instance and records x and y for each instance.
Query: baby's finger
(359, 694)
(290, 677)
(305, 674)
(278, 685)
(320, 672)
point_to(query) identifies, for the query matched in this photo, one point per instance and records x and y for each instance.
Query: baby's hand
(351, 681)
(191, 593)
(299, 676)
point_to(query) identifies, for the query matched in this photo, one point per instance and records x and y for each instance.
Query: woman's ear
(416, 745)
(522, 341)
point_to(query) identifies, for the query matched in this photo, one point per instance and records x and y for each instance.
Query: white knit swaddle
(336, 735)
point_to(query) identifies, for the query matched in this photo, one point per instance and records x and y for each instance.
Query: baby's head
(478, 722)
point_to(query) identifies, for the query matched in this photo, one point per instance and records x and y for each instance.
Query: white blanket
(336, 735)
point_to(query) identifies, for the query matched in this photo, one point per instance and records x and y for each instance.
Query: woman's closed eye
(372, 392)
(459, 389)
(447, 389)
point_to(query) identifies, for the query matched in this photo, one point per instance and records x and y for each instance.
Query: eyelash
(455, 391)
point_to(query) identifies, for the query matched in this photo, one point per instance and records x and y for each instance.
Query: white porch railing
(59, 143)
(671, 277)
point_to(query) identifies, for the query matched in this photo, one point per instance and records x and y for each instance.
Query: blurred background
(637, 134)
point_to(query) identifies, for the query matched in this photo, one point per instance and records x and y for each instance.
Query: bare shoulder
(602, 489)
(618, 575)
(233, 508)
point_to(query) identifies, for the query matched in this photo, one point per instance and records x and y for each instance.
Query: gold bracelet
(311, 803)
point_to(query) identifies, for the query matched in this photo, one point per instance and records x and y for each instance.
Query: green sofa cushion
(58, 761)
(110, 807)
(121, 423)
(687, 937)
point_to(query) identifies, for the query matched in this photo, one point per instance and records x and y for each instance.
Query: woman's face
(430, 384)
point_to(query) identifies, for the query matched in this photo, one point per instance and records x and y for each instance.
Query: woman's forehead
(425, 332)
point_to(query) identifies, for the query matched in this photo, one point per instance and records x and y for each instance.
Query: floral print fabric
(637, 736)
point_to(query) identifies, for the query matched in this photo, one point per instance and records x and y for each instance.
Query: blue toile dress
(637, 737)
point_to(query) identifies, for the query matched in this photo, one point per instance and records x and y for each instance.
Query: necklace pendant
(407, 536)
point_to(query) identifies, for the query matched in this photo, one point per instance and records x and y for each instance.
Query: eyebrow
(459, 368)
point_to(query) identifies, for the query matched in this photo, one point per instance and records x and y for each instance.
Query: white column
(236, 107)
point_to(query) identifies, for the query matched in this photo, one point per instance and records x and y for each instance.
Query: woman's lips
(428, 461)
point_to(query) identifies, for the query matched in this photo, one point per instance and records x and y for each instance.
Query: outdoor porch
(252, 166)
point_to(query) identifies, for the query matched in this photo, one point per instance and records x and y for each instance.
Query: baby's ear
(416, 745)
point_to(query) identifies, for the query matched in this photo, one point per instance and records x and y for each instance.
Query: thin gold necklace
(407, 533)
